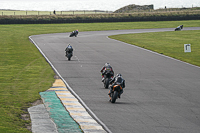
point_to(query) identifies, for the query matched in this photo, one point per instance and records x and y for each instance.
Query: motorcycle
(107, 78)
(115, 93)
(74, 33)
(108, 74)
(69, 55)
(179, 28)
(69, 52)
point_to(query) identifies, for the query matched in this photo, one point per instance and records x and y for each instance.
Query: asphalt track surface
(162, 95)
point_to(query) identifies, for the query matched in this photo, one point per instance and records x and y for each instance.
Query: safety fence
(16, 12)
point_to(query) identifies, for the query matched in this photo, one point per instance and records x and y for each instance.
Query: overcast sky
(109, 5)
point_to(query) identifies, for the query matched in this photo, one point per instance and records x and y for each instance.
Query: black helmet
(118, 79)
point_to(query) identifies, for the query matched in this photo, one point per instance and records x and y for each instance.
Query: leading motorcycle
(180, 27)
(74, 33)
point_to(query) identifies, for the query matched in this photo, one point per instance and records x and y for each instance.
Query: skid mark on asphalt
(75, 109)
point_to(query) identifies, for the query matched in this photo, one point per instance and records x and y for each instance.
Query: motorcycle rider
(69, 49)
(180, 27)
(75, 32)
(105, 68)
(117, 80)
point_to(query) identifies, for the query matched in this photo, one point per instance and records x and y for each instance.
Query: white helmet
(118, 75)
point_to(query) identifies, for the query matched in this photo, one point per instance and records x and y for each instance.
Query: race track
(162, 95)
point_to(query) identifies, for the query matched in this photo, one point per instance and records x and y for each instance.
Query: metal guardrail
(13, 12)
(21, 12)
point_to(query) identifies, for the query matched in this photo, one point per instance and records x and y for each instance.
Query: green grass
(24, 72)
(167, 43)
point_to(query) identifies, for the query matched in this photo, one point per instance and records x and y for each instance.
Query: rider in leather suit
(106, 67)
(117, 80)
(69, 49)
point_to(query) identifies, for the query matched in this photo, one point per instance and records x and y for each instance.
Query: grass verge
(24, 72)
(167, 43)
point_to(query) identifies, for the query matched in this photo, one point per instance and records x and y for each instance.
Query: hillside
(133, 8)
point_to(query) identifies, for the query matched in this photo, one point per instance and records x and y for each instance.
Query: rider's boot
(109, 93)
(102, 79)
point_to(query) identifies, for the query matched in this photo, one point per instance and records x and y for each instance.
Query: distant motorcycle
(180, 27)
(115, 93)
(74, 33)
(107, 77)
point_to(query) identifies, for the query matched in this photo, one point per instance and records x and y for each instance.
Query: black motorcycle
(107, 78)
(115, 93)
(69, 56)
(68, 53)
(179, 28)
(108, 74)
(74, 33)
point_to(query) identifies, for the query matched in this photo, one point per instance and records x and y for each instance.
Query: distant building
(151, 6)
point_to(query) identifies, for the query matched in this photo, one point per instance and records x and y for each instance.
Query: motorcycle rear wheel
(69, 56)
(106, 83)
(114, 97)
